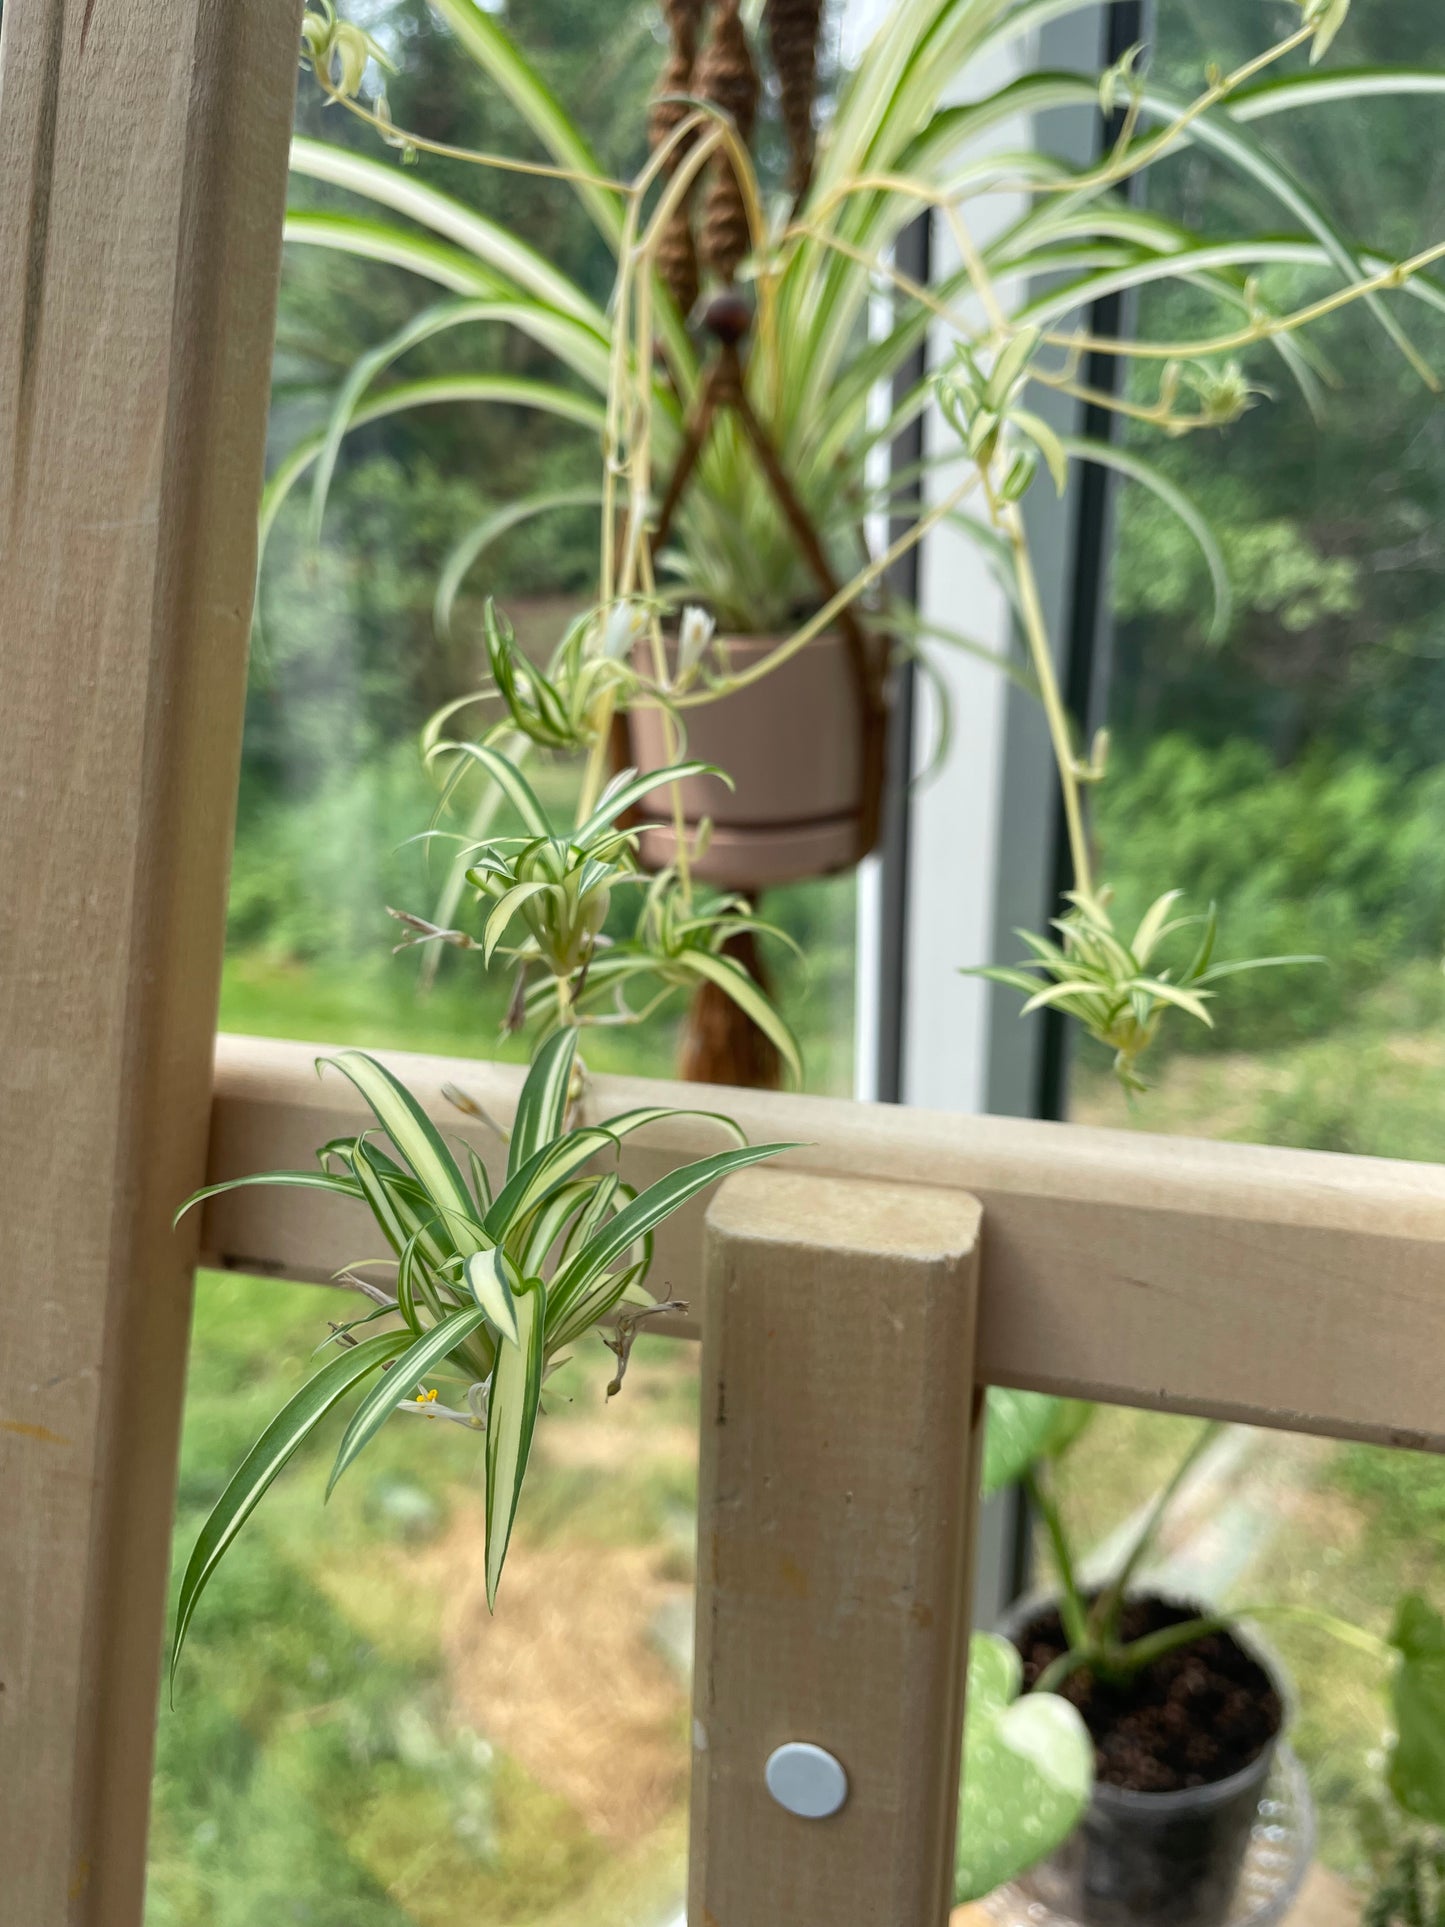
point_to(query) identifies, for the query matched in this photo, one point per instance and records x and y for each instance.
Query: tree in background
(1335, 539)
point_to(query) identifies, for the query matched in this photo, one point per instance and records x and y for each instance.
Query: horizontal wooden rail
(1287, 1288)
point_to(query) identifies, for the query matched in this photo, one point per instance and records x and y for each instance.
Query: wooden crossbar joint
(1294, 1289)
(836, 1517)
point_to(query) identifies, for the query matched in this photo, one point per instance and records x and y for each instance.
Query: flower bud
(695, 632)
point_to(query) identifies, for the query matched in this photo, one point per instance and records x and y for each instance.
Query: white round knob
(806, 1780)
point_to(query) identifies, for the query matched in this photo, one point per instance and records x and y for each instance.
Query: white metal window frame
(973, 849)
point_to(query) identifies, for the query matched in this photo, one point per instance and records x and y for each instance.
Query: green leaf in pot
(1028, 1772)
(1024, 1427)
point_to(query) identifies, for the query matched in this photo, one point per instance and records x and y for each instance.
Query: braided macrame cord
(713, 239)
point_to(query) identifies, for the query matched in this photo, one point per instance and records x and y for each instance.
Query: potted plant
(1184, 1708)
(742, 462)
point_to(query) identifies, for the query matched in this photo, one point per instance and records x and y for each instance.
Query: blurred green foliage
(1333, 523)
(1340, 854)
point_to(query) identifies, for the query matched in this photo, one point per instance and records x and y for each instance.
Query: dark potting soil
(1200, 1714)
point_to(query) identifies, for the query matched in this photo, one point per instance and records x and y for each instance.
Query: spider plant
(547, 894)
(593, 671)
(569, 704)
(814, 371)
(822, 350)
(486, 1286)
(1119, 991)
(677, 944)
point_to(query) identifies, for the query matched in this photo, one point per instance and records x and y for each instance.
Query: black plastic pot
(1155, 1859)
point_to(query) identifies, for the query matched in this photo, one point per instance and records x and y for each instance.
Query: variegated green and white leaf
(1028, 1772)
(423, 1355)
(300, 1180)
(508, 779)
(494, 1282)
(630, 788)
(419, 1143)
(738, 985)
(646, 1211)
(291, 1425)
(542, 1106)
(511, 1420)
(398, 188)
(533, 1182)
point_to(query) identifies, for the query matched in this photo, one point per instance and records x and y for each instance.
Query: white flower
(621, 628)
(695, 632)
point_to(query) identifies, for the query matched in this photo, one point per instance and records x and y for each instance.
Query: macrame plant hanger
(722, 1045)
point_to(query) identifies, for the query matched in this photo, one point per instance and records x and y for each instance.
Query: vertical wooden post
(143, 150)
(835, 1533)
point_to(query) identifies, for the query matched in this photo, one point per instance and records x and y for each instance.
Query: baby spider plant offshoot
(567, 706)
(546, 893)
(486, 1282)
(1119, 990)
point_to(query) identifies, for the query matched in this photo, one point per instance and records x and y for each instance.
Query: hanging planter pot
(804, 747)
(1184, 1751)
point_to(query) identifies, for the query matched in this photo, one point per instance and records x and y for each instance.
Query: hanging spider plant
(813, 371)
(487, 1286)
(1119, 991)
(893, 147)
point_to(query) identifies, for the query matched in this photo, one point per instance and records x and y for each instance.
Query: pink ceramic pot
(795, 745)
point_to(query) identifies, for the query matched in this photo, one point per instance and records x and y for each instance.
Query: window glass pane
(348, 664)
(1291, 773)
(355, 1742)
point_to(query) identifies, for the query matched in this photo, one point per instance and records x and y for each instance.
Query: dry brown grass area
(566, 1678)
(611, 1444)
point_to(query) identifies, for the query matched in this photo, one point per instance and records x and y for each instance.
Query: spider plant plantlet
(556, 888)
(487, 1285)
(678, 944)
(1121, 991)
